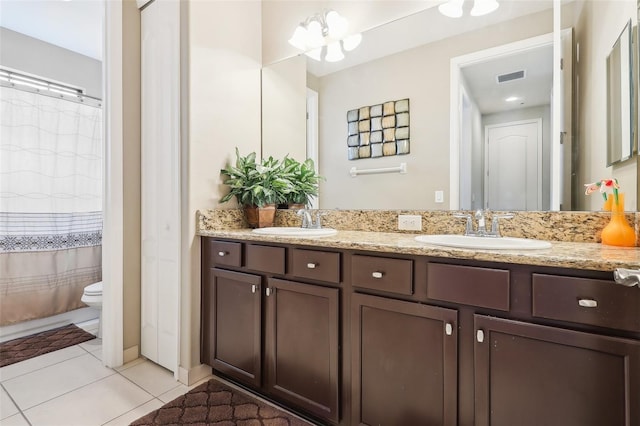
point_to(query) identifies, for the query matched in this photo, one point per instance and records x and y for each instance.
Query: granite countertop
(576, 255)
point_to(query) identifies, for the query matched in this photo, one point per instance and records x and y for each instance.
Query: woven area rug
(38, 344)
(214, 403)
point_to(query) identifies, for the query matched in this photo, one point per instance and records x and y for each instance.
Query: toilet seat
(94, 289)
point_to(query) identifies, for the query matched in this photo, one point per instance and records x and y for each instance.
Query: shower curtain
(50, 203)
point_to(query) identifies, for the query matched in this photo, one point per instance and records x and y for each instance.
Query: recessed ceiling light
(512, 99)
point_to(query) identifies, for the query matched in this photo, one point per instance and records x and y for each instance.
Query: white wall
(284, 92)
(591, 20)
(422, 75)
(223, 50)
(28, 54)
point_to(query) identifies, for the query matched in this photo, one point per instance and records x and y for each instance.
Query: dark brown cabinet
(528, 374)
(404, 365)
(279, 337)
(350, 337)
(302, 346)
(233, 336)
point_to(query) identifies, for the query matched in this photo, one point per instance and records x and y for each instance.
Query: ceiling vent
(516, 75)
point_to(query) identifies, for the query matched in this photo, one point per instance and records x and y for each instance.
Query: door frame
(457, 63)
(538, 122)
(113, 208)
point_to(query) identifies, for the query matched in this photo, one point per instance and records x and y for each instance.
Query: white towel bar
(402, 168)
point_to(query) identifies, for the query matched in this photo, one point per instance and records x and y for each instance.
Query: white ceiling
(533, 90)
(76, 25)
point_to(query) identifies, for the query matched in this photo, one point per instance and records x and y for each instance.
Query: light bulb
(351, 42)
(334, 52)
(483, 7)
(452, 8)
(337, 24)
(314, 35)
(299, 38)
(315, 54)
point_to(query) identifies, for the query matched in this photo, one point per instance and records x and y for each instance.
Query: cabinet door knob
(377, 274)
(312, 265)
(254, 288)
(268, 291)
(480, 336)
(448, 329)
(221, 254)
(588, 303)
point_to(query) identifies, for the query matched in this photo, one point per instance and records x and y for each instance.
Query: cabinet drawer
(316, 265)
(382, 273)
(586, 301)
(225, 253)
(469, 285)
(265, 258)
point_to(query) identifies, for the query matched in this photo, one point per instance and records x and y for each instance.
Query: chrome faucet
(481, 229)
(307, 220)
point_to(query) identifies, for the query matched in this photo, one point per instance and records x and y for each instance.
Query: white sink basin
(484, 243)
(292, 231)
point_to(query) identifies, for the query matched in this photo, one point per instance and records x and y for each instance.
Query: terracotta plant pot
(296, 206)
(260, 217)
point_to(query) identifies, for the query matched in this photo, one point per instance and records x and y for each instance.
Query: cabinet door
(302, 346)
(235, 321)
(404, 365)
(527, 374)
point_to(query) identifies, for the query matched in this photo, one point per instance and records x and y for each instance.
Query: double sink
(455, 241)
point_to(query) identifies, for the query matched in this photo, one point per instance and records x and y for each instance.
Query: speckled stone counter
(568, 254)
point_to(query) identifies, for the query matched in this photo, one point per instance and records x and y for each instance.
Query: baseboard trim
(130, 354)
(193, 375)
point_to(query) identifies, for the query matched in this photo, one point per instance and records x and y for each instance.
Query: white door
(513, 166)
(160, 182)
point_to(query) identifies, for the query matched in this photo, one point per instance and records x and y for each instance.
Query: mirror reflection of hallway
(514, 177)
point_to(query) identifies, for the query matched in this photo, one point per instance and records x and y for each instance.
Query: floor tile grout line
(41, 368)
(135, 408)
(72, 390)
(15, 404)
(157, 397)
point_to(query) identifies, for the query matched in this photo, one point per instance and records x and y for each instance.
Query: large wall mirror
(418, 57)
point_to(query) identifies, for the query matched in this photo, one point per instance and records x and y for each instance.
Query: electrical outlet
(409, 222)
(439, 196)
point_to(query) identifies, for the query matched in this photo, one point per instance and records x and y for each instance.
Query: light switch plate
(409, 222)
(439, 196)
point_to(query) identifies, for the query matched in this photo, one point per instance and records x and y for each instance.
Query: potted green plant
(304, 182)
(257, 186)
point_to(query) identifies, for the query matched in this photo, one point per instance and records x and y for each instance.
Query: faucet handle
(319, 215)
(468, 230)
(495, 223)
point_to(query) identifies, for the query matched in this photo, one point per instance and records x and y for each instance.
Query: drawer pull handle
(588, 303)
(312, 265)
(222, 254)
(377, 275)
(448, 329)
(268, 291)
(480, 336)
(254, 288)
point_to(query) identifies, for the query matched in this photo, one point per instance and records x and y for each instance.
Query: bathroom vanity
(368, 328)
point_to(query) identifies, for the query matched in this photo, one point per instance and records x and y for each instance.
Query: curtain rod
(30, 83)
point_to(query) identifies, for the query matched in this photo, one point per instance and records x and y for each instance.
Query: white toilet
(92, 297)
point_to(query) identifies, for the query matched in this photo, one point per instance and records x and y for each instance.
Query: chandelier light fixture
(326, 32)
(453, 8)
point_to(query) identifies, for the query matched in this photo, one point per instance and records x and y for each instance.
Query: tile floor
(72, 387)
